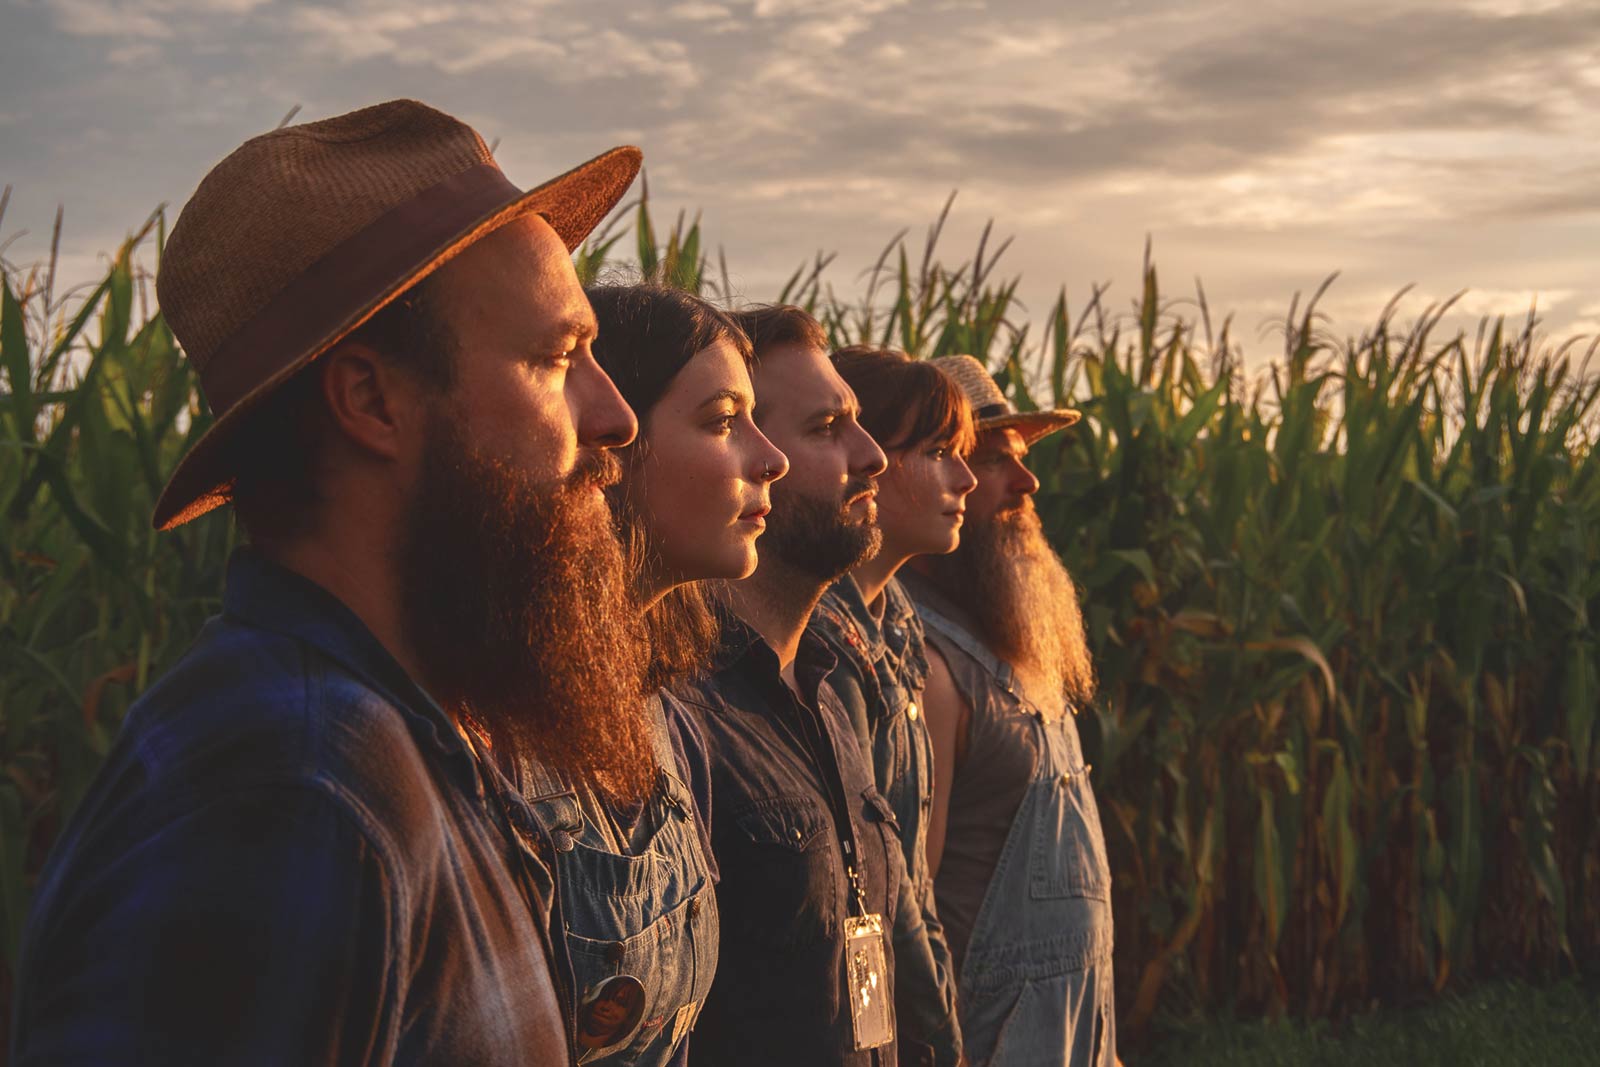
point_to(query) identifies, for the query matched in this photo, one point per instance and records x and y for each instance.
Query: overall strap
(666, 759)
(660, 738)
(539, 783)
(962, 638)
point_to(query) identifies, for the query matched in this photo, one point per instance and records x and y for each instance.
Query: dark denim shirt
(882, 671)
(781, 766)
(289, 856)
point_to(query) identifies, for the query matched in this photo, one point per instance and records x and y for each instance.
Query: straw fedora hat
(990, 408)
(302, 234)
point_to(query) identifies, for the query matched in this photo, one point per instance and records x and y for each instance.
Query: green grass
(1494, 1025)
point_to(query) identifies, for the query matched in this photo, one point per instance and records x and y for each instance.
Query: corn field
(1345, 747)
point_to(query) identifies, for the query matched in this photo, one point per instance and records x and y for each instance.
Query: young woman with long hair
(635, 880)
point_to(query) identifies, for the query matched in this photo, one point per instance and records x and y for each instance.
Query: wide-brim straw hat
(301, 235)
(990, 408)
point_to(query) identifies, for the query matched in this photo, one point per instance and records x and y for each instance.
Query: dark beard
(515, 600)
(814, 537)
(1017, 590)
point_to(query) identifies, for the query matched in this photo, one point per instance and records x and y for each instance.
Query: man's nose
(1022, 481)
(603, 418)
(866, 458)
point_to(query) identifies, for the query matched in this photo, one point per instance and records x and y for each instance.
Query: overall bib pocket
(1068, 856)
(674, 958)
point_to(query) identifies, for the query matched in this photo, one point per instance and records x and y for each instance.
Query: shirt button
(563, 841)
(911, 711)
(794, 832)
(614, 954)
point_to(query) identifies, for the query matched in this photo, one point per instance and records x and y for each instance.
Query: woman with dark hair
(635, 886)
(922, 421)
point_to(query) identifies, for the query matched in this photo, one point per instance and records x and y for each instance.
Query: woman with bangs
(637, 908)
(921, 420)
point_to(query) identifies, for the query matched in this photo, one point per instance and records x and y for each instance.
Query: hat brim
(573, 204)
(1032, 425)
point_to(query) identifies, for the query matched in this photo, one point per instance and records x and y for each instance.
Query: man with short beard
(302, 848)
(1020, 874)
(812, 870)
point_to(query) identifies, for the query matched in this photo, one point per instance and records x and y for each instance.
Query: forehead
(1006, 442)
(799, 378)
(520, 276)
(715, 368)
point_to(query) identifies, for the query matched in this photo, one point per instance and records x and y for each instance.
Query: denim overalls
(651, 914)
(1035, 986)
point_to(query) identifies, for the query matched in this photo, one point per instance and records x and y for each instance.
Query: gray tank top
(1001, 759)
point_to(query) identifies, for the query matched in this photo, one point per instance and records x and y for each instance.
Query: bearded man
(1014, 840)
(811, 865)
(301, 848)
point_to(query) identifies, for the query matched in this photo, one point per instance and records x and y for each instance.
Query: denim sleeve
(254, 929)
(846, 682)
(925, 986)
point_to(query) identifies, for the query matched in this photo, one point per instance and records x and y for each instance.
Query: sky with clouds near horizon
(1260, 146)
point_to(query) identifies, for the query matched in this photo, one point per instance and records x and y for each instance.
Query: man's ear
(371, 403)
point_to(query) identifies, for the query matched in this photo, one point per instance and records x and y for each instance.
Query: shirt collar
(742, 650)
(847, 594)
(272, 597)
(897, 607)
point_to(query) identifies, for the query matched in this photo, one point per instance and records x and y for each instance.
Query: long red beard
(516, 601)
(1025, 604)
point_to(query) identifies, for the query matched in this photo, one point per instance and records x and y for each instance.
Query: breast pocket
(779, 871)
(880, 814)
(1068, 857)
(610, 896)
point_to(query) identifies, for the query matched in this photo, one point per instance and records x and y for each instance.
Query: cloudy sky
(1451, 144)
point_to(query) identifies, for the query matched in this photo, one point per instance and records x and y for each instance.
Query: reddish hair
(905, 401)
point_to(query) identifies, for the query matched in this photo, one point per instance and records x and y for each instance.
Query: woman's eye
(723, 424)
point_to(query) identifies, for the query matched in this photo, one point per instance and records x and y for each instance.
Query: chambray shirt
(882, 671)
(782, 766)
(289, 857)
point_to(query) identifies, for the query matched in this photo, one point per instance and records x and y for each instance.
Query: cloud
(695, 11)
(160, 19)
(1264, 145)
(1510, 302)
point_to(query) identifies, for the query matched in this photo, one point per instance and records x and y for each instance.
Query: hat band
(992, 411)
(343, 288)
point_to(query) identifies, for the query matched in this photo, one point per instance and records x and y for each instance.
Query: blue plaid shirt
(290, 857)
